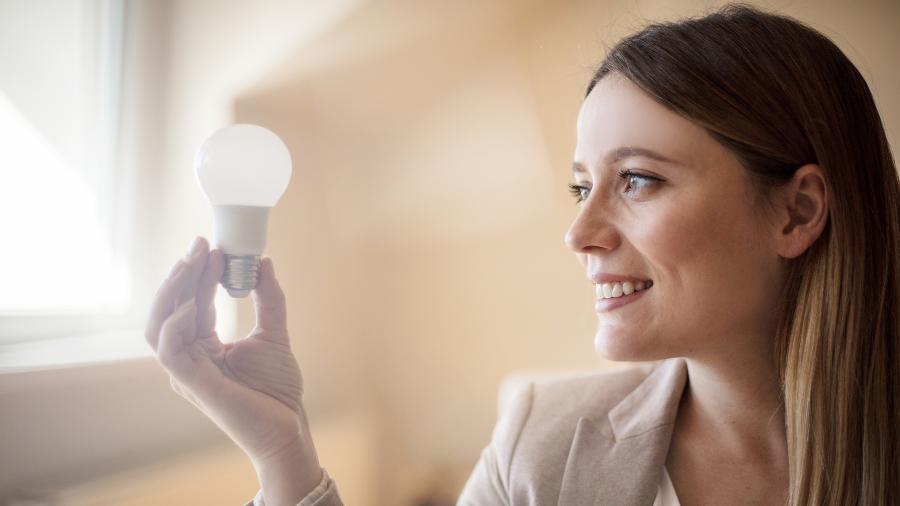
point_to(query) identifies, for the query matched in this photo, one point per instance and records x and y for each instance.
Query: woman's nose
(591, 232)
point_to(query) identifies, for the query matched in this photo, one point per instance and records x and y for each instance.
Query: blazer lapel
(617, 460)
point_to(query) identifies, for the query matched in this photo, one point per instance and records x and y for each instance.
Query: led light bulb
(243, 170)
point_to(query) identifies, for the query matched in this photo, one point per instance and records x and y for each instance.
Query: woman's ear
(802, 211)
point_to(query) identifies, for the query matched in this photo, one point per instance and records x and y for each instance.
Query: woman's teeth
(613, 290)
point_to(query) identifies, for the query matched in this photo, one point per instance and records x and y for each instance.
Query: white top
(665, 491)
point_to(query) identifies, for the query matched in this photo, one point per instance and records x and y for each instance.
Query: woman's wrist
(289, 475)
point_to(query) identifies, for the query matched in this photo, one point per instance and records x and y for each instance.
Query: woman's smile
(614, 295)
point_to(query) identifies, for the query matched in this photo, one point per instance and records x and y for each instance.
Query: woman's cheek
(675, 234)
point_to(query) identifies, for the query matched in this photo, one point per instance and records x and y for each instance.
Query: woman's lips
(603, 305)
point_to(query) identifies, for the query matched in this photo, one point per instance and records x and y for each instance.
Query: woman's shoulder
(547, 403)
(539, 426)
(554, 405)
(531, 444)
(586, 394)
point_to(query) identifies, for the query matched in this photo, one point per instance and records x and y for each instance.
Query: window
(64, 271)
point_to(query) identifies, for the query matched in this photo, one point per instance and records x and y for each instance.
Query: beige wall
(420, 242)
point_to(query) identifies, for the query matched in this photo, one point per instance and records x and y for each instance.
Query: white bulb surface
(243, 165)
(243, 170)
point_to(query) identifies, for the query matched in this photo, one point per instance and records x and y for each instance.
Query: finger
(164, 302)
(206, 293)
(169, 295)
(271, 313)
(175, 336)
(196, 262)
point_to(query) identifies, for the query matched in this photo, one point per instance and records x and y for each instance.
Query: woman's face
(666, 205)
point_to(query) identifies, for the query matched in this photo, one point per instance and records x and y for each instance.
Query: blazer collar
(616, 460)
(653, 403)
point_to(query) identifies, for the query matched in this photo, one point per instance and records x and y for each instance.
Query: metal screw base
(241, 274)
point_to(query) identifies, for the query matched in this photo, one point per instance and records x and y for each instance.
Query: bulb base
(241, 274)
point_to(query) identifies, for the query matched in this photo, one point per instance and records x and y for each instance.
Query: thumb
(271, 313)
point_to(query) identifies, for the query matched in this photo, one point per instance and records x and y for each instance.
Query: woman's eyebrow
(629, 151)
(577, 167)
(623, 152)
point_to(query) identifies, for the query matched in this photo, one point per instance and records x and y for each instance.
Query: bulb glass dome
(243, 165)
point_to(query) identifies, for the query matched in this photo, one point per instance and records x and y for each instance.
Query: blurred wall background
(420, 244)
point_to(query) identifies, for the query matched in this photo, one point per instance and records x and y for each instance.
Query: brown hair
(780, 95)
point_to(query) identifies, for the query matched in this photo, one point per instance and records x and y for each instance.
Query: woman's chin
(622, 347)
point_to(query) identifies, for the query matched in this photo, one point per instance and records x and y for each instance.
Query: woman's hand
(251, 388)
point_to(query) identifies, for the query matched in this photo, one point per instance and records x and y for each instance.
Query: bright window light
(56, 251)
(60, 218)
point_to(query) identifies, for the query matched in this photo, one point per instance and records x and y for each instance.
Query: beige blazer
(598, 440)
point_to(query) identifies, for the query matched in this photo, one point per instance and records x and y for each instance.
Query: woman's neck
(730, 426)
(734, 403)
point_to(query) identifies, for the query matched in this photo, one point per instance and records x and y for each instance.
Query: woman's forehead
(617, 114)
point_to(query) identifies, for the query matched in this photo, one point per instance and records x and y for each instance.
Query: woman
(739, 215)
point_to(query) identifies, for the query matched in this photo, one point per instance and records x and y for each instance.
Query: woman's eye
(579, 192)
(636, 183)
